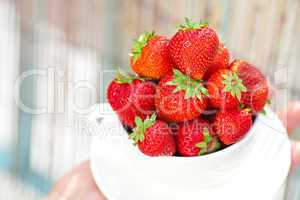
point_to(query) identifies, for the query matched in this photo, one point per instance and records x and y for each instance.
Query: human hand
(78, 184)
(292, 114)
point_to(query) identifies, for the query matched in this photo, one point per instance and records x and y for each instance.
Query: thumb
(295, 154)
(291, 116)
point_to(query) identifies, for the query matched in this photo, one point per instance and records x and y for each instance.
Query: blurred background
(51, 51)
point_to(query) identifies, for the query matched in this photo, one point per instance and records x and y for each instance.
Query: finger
(295, 154)
(77, 184)
(292, 114)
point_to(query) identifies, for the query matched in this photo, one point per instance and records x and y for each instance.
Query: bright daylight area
(149, 99)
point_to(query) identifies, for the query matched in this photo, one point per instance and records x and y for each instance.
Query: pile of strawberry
(186, 98)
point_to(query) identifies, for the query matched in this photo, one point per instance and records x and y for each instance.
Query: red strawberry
(131, 97)
(255, 82)
(221, 61)
(193, 48)
(231, 126)
(150, 56)
(179, 98)
(225, 89)
(194, 138)
(154, 138)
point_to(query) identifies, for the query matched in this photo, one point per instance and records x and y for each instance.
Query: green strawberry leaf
(138, 134)
(122, 77)
(207, 136)
(140, 43)
(268, 102)
(192, 88)
(233, 84)
(203, 145)
(189, 24)
(264, 112)
(153, 118)
(138, 121)
(238, 94)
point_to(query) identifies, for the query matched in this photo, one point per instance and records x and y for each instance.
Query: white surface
(9, 63)
(254, 168)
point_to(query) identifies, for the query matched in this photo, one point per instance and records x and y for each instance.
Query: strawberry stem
(192, 88)
(189, 24)
(140, 43)
(122, 77)
(233, 84)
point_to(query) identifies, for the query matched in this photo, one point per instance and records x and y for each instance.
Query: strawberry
(231, 126)
(225, 89)
(150, 56)
(255, 82)
(193, 48)
(130, 97)
(179, 98)
(194, 138)
(221, 61)
(153, 137)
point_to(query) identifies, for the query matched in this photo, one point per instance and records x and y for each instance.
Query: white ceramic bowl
(254, 168)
